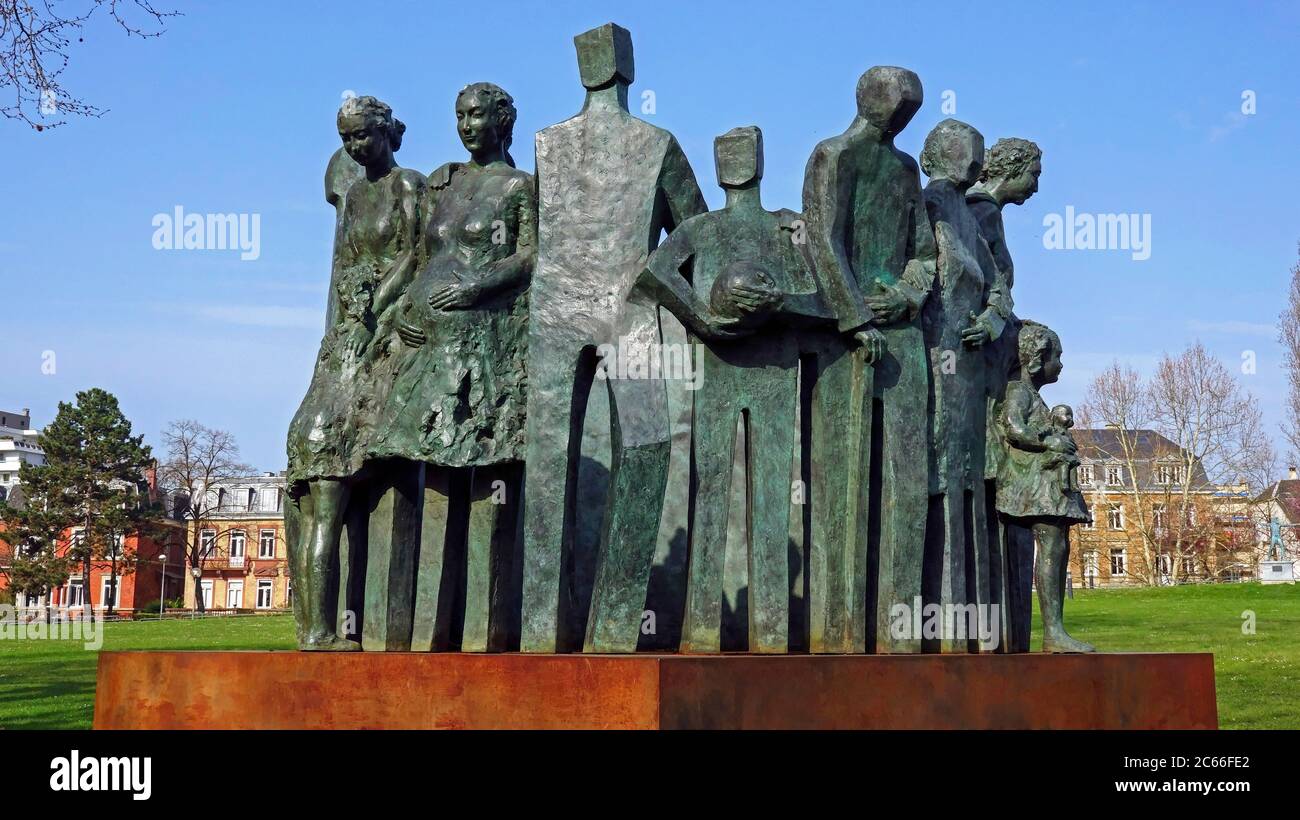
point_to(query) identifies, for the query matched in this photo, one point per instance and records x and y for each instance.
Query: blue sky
(1138, 109)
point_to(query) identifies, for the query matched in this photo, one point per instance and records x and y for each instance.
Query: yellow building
(244, 563)
(1157, 519)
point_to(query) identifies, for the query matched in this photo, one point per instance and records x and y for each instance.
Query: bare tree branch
(35, 40)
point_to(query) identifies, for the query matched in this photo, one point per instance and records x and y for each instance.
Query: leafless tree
(1289, 336)
(35, 41)
(1189, 499)
(199, 460)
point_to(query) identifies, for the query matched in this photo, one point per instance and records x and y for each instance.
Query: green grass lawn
(51, 684)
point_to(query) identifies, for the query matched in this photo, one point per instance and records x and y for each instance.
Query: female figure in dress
(1034, 492)
(375, 258)
(456, 402)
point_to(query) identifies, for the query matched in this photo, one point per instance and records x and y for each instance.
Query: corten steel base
(297, 690)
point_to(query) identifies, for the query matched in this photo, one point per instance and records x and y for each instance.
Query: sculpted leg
(715, 436)
(638, 476)
(1053, 557)
(491, 599)
(329, 504)
(771, 443)
(559, 381)
(840, 454)
(442, 556)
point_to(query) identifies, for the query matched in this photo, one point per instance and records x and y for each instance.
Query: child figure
(1032, 494)
(1062, 421)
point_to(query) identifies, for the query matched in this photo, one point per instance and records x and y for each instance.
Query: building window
(238, 540)
(206, 587)
(266, 544)
(1164, 563)
(207, 543)
(1169, 474)
(110, 590)
(1114, 475)
(1085, 473)
(264, 588)
(1158, 519)
(288, 591)
(1189, 565)
(1117, 563)
(271, 499)
(1115, 516)
(234, 595)
(74, 594)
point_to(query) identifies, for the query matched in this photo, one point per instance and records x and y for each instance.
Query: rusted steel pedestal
(296, 690)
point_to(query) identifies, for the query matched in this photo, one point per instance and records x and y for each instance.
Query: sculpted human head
(1063, 416)
(605, 56)
(1011, 168)
(738, 156)
(1040, 353)
(888, 97)
(369, 131)
(485, 121)
(953, 151)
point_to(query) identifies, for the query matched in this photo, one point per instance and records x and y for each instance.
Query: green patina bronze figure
(1010, 177)
(748, 285)
(456, 363)
(608, 185)
(964, 312)
(1036, 490)
(374, 261)
(876, 259)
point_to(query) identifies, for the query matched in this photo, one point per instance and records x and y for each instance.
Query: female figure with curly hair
(375, 258)
(457, 398)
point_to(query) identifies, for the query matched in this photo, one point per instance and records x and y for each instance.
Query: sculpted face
(738, 155)
(953, 151)
(477, 123)
(605, 56)
(888, 97)
(365, 139)
(1052, 361)
(1022, 187)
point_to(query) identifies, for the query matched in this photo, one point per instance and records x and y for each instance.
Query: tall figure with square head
(608, 184)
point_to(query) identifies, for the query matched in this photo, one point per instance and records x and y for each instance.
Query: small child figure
(1032, 493)
(1062, 421)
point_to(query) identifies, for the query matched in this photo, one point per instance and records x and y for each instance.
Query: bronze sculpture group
(865, 347)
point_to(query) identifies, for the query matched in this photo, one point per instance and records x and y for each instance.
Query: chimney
(1290, 473)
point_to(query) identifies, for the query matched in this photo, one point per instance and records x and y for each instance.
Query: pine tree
(92, 483)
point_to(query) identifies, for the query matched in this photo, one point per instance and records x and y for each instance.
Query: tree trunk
(198, 594)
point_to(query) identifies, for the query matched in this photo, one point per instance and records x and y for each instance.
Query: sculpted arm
(402, 271)
(521, 217)
(677, 186)
(662, 283)
(825, 199)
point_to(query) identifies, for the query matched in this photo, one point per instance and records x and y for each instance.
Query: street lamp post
(162, 594)
(197, 573)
